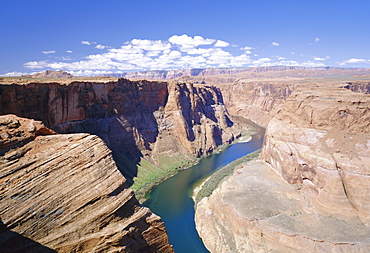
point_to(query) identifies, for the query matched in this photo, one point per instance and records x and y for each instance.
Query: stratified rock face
(321, 140)
(51, 74)
(53, 103)
(258, 101)
(65, 193)
(255, 210)
(158, 121)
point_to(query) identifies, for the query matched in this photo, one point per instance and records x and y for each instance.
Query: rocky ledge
(255, 210)
(64, 193)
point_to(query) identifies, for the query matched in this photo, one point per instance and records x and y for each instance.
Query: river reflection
(172, 199)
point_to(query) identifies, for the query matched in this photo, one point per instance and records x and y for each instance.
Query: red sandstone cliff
(64, 193)
(144, 123)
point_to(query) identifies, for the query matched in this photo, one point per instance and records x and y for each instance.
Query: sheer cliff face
(258, 101)
(65, 193)
(321, 141)
(163, 123)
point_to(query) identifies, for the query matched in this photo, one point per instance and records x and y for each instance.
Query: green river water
(172, 200)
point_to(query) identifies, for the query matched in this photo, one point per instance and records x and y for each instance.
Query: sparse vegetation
(150, 175)
(216, 178)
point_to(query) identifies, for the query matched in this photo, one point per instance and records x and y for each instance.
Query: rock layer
(155, 125)
(258, 101)
(321, 139)
(65, 193)
(255, 210)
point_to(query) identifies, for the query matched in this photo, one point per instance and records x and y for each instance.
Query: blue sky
(95, 37)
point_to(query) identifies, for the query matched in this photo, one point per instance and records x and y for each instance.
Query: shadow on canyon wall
(123, 135)
(127, 115)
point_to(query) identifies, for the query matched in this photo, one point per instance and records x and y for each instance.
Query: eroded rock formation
(312, 194)
(255, 210)
(258, 101)
(153, 128)
(65, 193)
(322, 141)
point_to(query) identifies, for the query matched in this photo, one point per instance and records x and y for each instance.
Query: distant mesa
(51, 74)
(172, 74)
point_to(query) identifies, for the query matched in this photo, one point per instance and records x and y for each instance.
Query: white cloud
(99, 46)
(275, 44)
(49, 52)
(261, 61)
(36, 64)
(14, 74)
(85, 42)
(221, 43)
(175, 53)
(319, 59)
(354, 61)
(69, 51)
(312, 64)
(151, 45)
(186, 42)
(246, 48)
(317, 40)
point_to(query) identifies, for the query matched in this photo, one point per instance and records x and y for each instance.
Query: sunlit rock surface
(255, 210)
(311, 189)
(321, 140)
(65, 193)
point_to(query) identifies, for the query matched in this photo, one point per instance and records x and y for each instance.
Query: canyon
(308, 190)
(153, 128)
(70, 192)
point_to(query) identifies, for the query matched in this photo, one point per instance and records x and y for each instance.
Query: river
(172, 200)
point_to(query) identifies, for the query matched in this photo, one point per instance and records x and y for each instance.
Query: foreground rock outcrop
(64, 193)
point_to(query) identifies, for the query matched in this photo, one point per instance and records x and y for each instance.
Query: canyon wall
(258, 101)
(321, 139)
(64, 193)
(310, 189)
(153, 128)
